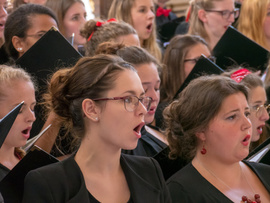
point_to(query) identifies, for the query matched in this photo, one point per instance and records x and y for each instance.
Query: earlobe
(17, 44)
(201, 135)
(202, 15)
(90, 110)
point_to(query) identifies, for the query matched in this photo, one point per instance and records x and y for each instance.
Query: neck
(98, 157)
(7, 156)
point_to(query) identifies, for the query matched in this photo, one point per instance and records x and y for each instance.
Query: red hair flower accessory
(99, 24)
(162, 11)
(239, 75)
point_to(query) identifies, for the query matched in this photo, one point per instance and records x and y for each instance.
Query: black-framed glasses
(130, 102)
(195, 60)
(226, 13)
(260, 110)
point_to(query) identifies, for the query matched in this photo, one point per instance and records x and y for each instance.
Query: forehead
(75, 7)
(41, 21)
(143, 3)
(126, 81)
(198, 49)
(224, 4)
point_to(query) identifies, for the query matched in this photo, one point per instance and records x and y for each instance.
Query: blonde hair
(196, 26)
(7, 75)
(121, 10)
(251, 19)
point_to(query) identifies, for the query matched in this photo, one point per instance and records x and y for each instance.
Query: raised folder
(49, 53)
(12, 185)
(7, 122)
(204, 66)
(234, 48)
(261, 154)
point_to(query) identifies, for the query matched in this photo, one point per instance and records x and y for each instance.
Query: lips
(260, 129)
(26, 132)
(246, 140)
(152, 110)
(149, 27)
(137, 130)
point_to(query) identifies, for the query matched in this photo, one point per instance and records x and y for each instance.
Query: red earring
(203, 151)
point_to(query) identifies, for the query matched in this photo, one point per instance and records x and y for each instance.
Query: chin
(255, 138)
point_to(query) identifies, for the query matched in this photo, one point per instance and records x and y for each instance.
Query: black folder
(167, 165)
(12, 185)
(261, 154)
(7, 122)
(204, 66)
(234, 48)
(48, 53)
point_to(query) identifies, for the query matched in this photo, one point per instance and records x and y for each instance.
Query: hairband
(161, 11)
(239, 75)
(99, 24)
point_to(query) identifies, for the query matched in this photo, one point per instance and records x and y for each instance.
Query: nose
(151, 14)
(231, 18)
(30, 116)
(246, 123)
(141, 109)
(3, 12)
(265, 115)
(154, 94)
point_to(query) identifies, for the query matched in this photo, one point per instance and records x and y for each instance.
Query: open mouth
(245, 141)
(137, 129)
(26, 132)
(260, 129)
(149, 27)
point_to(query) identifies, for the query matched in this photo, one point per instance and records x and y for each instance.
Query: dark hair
(197, 105)
(104, 33)
(173, 75)
(19, 21)
(90, 78)
(132, 54)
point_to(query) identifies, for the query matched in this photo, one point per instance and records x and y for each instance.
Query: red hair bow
(239, 75)
(162, 11)
(99, 24)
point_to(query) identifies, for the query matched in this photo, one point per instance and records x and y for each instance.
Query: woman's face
(119, 128)
(3, 16)
(40, 24)
(266, 24)
(142, 15)
(228, 135)
(258, 118)
(151, 82)
(214, 22)
(19, 90)
(73, 21)
(194, 52)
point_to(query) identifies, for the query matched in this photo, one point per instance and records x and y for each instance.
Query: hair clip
(99, 24)
(240, 74)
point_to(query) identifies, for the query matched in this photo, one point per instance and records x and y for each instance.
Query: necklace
(244, 199)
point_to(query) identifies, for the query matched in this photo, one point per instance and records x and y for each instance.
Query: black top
(148, 145)
(3, 171)
(94, 200)
(188, 185)
(64, 182)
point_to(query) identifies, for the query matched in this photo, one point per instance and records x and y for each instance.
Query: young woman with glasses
(179, 59)
(211, 18)
(102, 102)
(259, 108)
(152, 140)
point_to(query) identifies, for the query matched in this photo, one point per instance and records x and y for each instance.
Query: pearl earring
(19, 49)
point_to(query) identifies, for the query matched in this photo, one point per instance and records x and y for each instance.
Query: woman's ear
(202, 15)
(18, 44)
(201, 135)
(90, 109)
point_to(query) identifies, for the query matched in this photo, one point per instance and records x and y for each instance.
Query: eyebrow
(133, 92)
(146, 83)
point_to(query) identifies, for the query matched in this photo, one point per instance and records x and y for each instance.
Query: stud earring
(203, 151)
(19, 49)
